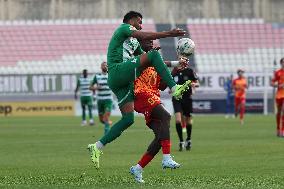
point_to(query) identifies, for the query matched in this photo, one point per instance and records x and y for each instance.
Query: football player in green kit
(104, 96)
(86, 98)
(126, 60)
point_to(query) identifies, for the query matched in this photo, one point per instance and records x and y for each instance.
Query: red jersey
(148, 82)
(240, 85)
(279, 78)
(147, 93)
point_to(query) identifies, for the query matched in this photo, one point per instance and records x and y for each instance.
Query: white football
(185, 47)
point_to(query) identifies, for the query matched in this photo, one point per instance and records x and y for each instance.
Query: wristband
(174, 63)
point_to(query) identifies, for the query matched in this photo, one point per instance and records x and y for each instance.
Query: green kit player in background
(103, 96)
(126, 60)
(86, 97)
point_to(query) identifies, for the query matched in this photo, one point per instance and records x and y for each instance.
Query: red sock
(236, 106)
(278, 121)
(242, 112)
(282, 124)
(166, 146)
(146, 158)
(183, 125)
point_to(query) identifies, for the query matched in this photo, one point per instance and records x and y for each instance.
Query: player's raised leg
(153, 58)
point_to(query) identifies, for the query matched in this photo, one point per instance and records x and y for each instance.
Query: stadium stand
(56, 46)
(224, 45)
(68, 46)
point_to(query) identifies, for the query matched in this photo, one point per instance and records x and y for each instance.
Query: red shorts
(279, 102)
(144, 103)
(239, 101)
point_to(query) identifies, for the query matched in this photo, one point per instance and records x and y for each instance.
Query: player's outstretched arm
(182, 63)
(141, 35)
(273, 83)
(195, 84)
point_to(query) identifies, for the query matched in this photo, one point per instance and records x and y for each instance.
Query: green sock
(161, 68)
(116, 130)
(83, 114)
(90, 108)
(106, 127)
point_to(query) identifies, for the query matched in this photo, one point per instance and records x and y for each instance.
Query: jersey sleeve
(126, 30)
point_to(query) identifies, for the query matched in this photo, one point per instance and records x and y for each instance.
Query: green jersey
(103, 92)
(84, 85)
(122, 46)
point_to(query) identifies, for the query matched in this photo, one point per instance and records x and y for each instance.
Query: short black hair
(240, 71)
(282, 60)
(130, 15)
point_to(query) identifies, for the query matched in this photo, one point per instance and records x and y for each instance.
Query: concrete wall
(270, 10)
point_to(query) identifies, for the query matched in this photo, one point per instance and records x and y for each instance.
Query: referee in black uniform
(184, 105)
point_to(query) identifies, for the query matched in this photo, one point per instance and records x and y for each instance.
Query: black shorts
(184, 105)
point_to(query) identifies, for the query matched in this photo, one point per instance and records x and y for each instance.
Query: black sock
(179, 131)
(188, 130)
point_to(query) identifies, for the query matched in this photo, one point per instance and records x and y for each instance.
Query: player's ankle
(166, 156)
(99, 145)
(137, 166)
(173, 89)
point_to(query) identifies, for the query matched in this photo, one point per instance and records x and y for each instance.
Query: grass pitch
(50, 152)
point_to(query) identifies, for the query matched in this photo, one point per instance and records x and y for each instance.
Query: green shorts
(121, 78)
(86, 100)
(104, 106)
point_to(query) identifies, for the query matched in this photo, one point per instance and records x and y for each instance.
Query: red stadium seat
(235, 38)
(49, 40)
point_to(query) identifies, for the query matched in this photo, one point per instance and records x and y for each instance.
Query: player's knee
(165, 134)
(166, 116)
(128, 118)
(178, 121)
